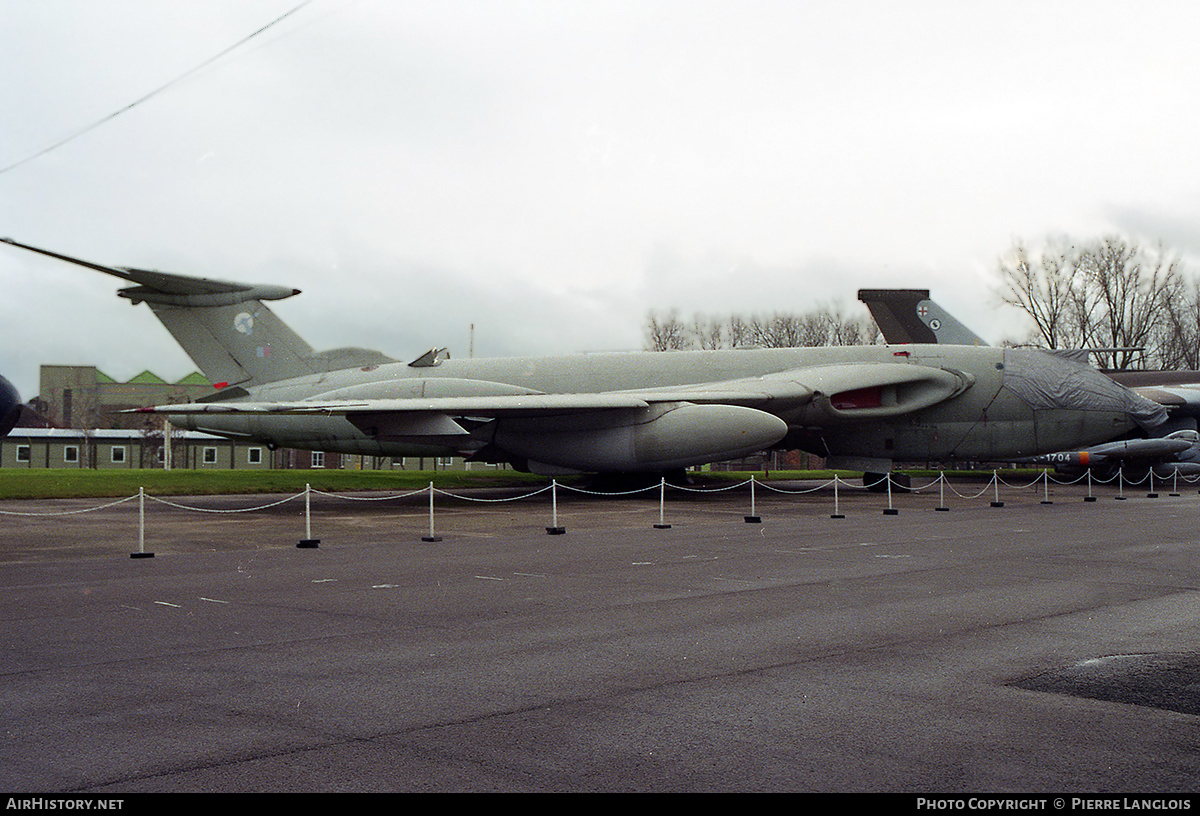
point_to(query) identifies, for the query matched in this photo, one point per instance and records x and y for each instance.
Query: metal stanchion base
(1089, 498)
(836, 515)
(891, 511)
(555, 530)
(431, 538)
(997, 504)
(308, 544)
(662, 526)
(141, 555)
(753, 519)
(942, 509)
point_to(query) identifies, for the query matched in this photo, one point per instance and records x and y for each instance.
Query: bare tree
(708, 332)
(1179, 329)
(1132, 289)
(1109, 295)
(1040, 284)
(822, 327)
(666, 333)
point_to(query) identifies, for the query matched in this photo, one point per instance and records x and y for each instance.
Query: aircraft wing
(837, 392)
(519, 405)
(1181, 401)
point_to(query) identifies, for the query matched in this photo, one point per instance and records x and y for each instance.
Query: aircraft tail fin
(224, 326)
(909, 316)
(239, 344)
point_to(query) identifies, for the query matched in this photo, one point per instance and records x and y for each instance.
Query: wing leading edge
(846, 391)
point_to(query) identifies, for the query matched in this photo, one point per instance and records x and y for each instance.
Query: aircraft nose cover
(10, 406)
(1051, 381)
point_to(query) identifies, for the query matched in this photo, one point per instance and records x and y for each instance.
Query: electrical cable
(153, 93)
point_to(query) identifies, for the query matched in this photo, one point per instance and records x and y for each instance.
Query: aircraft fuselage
(983, 419)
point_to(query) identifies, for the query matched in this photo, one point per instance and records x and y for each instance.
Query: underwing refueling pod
(861, 407)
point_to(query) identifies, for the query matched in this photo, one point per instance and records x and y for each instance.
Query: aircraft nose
(10, 406)
(1046, 380)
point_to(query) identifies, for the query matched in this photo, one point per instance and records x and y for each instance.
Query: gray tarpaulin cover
(1050, 381)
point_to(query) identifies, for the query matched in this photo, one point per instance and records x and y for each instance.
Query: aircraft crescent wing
(523, 404)
(833, 393)
(1181, 400)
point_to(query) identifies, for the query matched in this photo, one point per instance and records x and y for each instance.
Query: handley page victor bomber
(863, 407)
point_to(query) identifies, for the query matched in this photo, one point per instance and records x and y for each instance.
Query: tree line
(1133, 305)
(824, 326)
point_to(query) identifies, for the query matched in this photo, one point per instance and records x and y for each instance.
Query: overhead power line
(153, 93)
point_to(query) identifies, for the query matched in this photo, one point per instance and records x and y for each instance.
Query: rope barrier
(556, 528)
(71, 512)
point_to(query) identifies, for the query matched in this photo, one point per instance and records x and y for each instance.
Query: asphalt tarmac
(1031, 647)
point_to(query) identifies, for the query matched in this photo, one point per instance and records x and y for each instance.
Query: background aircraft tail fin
(909, 316)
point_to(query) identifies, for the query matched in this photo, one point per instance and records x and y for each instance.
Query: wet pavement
(648, 647)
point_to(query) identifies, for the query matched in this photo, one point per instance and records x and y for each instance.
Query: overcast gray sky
(550, 171)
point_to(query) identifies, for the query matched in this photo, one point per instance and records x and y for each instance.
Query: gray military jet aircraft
(861, 407)
(1170, 448)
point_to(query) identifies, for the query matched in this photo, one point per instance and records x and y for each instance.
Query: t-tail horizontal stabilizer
(224, 326)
